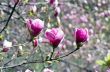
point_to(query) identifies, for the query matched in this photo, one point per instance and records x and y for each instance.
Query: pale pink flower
(47, 70)
(6, 45)
(84, 19)
(33, 8)
(28, 70)
(57, 11)
(108, 70)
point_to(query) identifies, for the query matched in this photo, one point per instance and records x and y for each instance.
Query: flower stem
(52, 54)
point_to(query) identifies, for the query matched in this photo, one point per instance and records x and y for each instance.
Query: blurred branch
(78, 66)
(37, 61)
(23, 63)
(30, 3)
(9, 18)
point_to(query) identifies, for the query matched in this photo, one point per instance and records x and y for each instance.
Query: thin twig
(53, 49)
(9, 18)
(78, 66)
(38, 61)
(23, 63)
(69, 53)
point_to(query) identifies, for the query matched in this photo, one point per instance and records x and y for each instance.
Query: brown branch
(23, 63)
(39, 61)
(69, 53)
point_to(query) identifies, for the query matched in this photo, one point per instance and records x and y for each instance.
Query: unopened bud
(35, 42)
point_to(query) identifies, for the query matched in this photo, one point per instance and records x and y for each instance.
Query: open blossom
(6, 45)
(55, 36)
(47, 70)
(81, 35)
(35, 26)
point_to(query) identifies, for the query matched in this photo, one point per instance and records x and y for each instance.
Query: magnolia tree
(53, 36)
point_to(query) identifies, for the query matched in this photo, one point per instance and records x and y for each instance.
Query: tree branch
(9, 18)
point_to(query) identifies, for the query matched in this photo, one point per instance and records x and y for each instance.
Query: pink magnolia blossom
(55, 36)
(35, 26)
(47, 70)
(81, 35)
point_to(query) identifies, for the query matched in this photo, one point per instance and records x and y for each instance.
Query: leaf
(107, 58)
(1, 37)
(25, 1)
(100, 62)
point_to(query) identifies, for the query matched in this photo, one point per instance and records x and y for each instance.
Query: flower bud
(57, 11)
(55, 36)
(6, 46)
(33, 9)
(58, 54)
(34, 26)
(5, 50)
(53, 3)
(81, 35)
(35, 42)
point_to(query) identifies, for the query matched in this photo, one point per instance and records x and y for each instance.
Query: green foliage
(1, 37)
(105, 61)
(25, 1)
(100, 62)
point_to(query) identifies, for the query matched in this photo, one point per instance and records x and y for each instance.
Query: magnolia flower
(81, 35)
(47, 70)
(6, 45)
(55, 36)
(35, 26)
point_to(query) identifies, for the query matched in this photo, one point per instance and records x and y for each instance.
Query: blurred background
(91, 14)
